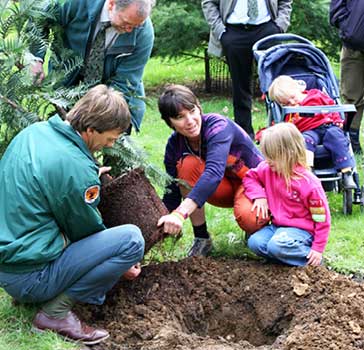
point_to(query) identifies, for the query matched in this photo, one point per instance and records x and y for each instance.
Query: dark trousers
(237, 43)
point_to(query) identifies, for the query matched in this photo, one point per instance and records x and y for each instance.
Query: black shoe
(348, 181)
(200, 247)
(354, 140)
(357, 196)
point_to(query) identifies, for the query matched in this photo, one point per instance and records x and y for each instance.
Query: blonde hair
(101, 109)
(284, 145)
(283, 85)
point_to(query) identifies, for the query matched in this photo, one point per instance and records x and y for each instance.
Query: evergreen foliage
(23, 101)
(181, 27)
(310, 19)
(126, 155)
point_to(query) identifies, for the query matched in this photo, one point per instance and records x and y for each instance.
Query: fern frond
(12, 46)
(126, 155)
(36, 38)
(8, 21)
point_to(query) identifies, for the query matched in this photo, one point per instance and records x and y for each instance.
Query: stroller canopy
(300, 60)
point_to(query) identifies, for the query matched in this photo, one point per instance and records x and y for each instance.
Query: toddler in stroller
(297, 57)
(325, 129)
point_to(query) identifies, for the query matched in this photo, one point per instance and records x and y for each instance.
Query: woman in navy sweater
(210, 154)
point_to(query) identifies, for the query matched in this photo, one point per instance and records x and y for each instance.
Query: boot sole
(86, 342)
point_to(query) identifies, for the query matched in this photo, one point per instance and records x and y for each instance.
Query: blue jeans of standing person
(288, 245)
(85, 271)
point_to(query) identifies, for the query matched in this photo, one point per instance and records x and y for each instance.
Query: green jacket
(124, 60)
(45, 203)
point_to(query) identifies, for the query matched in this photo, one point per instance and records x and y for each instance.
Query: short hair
(144, 6)
(284, 144)
(102, 109)
(174, 99)
(283, 85)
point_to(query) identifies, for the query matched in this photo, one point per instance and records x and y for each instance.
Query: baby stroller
(293, 55)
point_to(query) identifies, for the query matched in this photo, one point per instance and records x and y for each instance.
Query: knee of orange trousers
(190, 169)
(244, 216)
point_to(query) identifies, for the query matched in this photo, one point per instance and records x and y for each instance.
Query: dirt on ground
(207, 304)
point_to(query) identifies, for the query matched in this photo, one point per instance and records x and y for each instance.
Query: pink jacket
(304, 205)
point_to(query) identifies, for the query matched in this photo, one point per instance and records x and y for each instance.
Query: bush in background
(181, 28)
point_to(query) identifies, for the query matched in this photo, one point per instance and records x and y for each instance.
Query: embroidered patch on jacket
(91, 194)
(317, 210)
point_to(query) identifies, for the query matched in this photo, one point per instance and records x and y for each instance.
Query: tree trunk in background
(131, 199)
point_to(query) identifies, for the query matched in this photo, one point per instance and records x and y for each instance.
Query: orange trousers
(229, 193)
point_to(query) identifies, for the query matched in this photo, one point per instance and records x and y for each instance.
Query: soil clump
(131, 199)
(208, 304)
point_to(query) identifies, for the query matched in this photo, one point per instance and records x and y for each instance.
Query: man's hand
(36, 70)
(171, 224)
(105, 170)
(314, 258)
(133, 272)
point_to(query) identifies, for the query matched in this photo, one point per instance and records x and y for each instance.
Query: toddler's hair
(283, 85)
(283, 145)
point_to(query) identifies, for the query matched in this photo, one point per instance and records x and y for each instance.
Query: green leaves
(126, 155)
(23, 100)
(310, 19)
(181, 28)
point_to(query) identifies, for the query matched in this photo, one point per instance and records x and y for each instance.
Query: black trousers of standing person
(237, 42)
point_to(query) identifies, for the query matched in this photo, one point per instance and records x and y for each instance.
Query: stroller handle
(319, 109)
(271, 39)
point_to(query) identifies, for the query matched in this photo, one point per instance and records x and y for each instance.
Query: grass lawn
(344, 253)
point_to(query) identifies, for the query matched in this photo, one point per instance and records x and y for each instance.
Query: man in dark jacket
(124, 31)
(347, 15)
(235, 27)
(54, 247)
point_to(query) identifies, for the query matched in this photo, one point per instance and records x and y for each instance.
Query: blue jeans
(288, 245)
(85, 271)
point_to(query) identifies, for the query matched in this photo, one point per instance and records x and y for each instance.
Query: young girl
(211, 154)
(325, 128)
(283, 186)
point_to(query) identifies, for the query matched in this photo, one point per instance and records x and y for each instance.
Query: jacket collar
(67, 131)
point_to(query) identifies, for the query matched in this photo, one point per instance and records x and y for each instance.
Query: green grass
(15, 330)
(344, 253)
(159, 72)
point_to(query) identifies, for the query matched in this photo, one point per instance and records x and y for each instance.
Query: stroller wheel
(347, 202)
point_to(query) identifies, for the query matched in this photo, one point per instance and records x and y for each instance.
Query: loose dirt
(206, 304)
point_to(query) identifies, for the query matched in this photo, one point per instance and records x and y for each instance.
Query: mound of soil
(206, 304)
